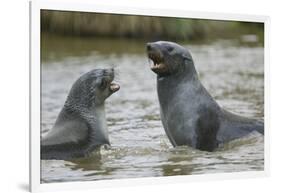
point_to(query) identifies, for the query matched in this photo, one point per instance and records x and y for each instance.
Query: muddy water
(232, 73)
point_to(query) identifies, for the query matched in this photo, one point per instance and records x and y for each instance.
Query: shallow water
(233, 74)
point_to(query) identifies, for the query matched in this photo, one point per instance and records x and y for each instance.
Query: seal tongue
(114, 87)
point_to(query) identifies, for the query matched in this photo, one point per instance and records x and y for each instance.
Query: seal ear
(187, 60)
(100, 83)
(186, 57)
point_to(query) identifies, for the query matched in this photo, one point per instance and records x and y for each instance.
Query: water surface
(232, 73)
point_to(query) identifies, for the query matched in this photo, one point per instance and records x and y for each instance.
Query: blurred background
(228, 55)
(145, 27)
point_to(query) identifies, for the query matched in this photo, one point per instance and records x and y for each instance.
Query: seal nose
(148, 47)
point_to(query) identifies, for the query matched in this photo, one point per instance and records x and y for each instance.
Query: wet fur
(189, 114)
(81, 125)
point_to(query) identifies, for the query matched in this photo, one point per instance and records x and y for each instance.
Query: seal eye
(103, 84)
(170, 48)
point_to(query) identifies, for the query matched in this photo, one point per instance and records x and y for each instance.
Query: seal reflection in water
(190, 116)
(81, 125)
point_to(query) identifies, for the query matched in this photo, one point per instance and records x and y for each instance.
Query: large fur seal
(81, 125)
(189, 114)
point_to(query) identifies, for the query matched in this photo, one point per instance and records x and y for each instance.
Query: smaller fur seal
(190, 116)
(81, 125)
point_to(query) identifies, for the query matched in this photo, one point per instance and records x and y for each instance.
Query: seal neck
(100, 132)
(95, 118)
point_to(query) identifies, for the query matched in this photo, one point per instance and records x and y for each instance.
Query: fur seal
(81, 127)
(189, 114)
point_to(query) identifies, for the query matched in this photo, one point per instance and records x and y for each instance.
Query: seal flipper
(259, 127)
(69, 129)
(234, 126)
(206, 129)
(64, 151)
(244, 123)
(67, 138)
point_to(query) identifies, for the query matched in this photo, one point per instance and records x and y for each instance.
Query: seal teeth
(156, 59)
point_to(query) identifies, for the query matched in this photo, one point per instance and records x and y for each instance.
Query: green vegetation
(144, 27)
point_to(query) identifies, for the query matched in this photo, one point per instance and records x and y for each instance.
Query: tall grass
(112, 25)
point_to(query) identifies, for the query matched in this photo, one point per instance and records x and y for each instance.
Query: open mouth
(157, 64)
(114, 87)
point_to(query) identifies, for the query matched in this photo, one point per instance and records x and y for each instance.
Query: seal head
(169, 58)
(92, 88)
(81, 125)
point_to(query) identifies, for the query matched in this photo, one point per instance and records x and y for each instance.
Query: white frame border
(35, 87)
